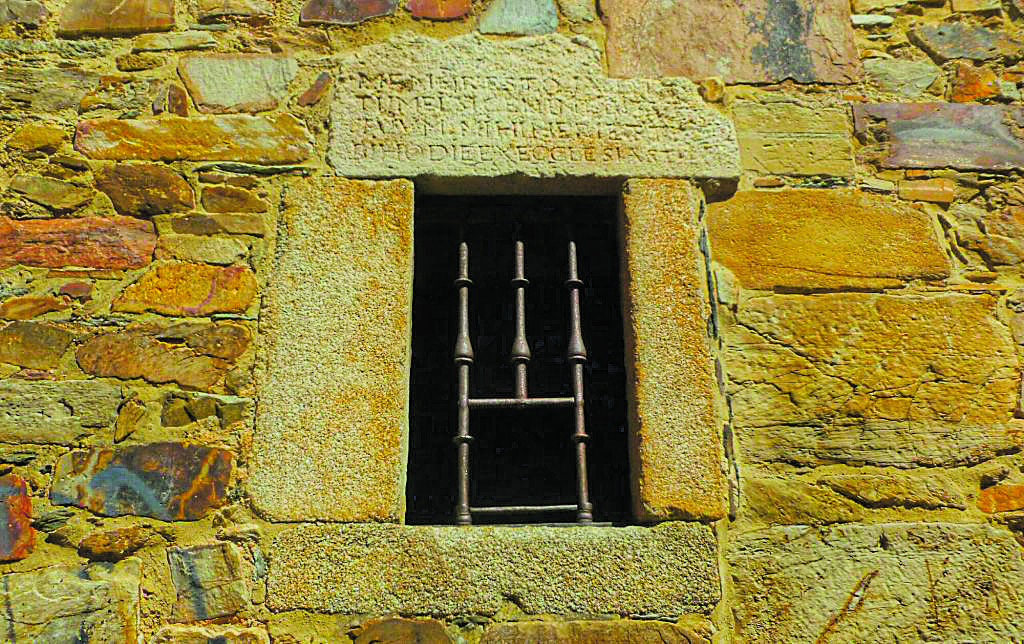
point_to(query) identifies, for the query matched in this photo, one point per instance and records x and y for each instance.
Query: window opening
(540, 339)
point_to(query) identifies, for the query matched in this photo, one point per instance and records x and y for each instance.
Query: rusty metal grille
(519, 362)
(519, 356)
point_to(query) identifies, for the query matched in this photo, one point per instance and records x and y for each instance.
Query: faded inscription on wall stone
(539, 107)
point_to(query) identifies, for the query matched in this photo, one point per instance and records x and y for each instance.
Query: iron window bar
(576, 355)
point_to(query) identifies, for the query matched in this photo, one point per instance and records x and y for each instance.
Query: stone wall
(206, 217)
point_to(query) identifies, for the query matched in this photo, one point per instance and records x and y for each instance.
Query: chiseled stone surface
(519, 17)
(93, 603)
(201, 249)
(209, 581)
(950, 582)
(957, 40)
(145, 189)
(138, 354)
(738, 40)
(793, 137)
(115, 17)
(210, 634)
(41, 88)
(332, 428)
(33, 344)
(193, 290)
(17, 537)
(808, 240)
(820, 379)
(55, 412)
(675, 445)
(270, 140)
(481, 117)
(344, 12)
(897, 490)
(221, 83)
(114, 242)
(182, 40)
(668, 570)
(596, 632)
(167, 481)
(940, 135)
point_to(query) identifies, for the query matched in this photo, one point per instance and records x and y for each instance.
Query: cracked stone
(892, 491)
(209, 581)
(819, 380)
(179, 41)
(114, 544)
(910, 79)
(136, 354)
(61, 412)
(52, 193)
(219, 199)
(794, 502)
(1001, 498)
(35, 137)
(223, 83)
(972, 83)
(957, 40)
(216, 10)
(235, 224)
(23, 12)
(31, 306)
(220, 251)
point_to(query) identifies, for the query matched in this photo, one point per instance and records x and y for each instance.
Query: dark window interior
(517, 457)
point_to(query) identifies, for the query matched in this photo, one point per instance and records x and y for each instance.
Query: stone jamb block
(674, 422)
(332, 426)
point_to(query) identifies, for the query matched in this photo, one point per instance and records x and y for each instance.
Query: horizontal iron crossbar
(521, 403)
(520, 509)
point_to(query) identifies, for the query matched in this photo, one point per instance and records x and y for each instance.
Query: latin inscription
(493, 114)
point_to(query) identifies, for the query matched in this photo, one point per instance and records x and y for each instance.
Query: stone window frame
(332, 423)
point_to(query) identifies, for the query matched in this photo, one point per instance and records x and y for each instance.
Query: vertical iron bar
(576, 354)
(463, 356)
(520, 347)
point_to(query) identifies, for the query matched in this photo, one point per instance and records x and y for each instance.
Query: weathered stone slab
(36, 137)
(191, 290)
(668, 570)
(939, 135)
(439, 9)
(137, 354)
(220, 83)
(201, 249)
(115, 17)
(114, 544)
(344, 12)
(906, 78)
(23, 12)
(52, 193)
(332, 431)
(115, 242)
(958, 40)
(793, 137)
(208, 580)
(167, 481)
(748, 41)
(396, 629)
(675, 444)
(892, 491)
(145, 189)
(216, 10)
(43, 89)
(94, 603)
(470, 107)
(519, 17)
(33, 345)
(1001, 498)
(55, 412)
(231, 199)
(271, 140)
(595, 632)
(323, 82)
(30, 306)
(180, 41)
(29, 50)
(17, 536)
(892, 583)
(808, 240)
(237, 224)
(821, 379)
(208, 634)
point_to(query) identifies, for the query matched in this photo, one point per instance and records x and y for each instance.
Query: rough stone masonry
(208, 216)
